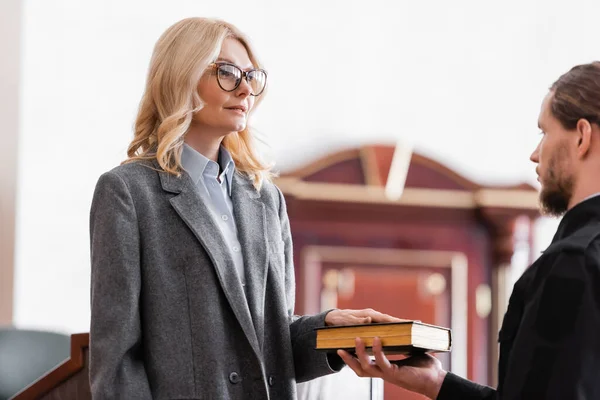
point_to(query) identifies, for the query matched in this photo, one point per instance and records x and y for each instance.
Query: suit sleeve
(457, 388)
(116, 363)
(555, 353)
(309, 363)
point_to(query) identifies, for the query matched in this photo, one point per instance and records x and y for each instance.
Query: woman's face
(225, 112)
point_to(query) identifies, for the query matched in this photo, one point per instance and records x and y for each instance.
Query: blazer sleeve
(116, 361)
(308, 362)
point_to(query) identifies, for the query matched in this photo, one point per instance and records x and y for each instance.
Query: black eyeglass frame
(244, 75)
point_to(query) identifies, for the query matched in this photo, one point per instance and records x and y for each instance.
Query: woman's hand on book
(420, 373)
(356, 317)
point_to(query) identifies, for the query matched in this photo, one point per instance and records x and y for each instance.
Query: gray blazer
(170, 319)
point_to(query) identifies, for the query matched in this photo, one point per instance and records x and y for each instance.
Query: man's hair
(576, 95)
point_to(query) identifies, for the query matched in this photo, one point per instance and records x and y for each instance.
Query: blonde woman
(192, 274)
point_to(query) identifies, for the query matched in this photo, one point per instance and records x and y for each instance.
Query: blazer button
(271, 380)
(234, 378)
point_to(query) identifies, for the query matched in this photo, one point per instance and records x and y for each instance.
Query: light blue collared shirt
(215, 189)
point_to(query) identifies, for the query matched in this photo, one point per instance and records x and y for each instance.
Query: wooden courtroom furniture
(68, 380)
(26, 354)
(441, 253)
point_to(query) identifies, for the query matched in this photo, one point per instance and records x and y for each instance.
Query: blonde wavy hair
(180, 57)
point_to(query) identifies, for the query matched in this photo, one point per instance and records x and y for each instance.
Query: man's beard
(557, 188)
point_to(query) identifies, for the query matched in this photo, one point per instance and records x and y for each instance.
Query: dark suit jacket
(170, 319)
(550, 336)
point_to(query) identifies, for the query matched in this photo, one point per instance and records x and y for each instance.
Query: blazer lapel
(250, 219)
(191, 208)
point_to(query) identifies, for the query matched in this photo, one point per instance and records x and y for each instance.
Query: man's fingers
(367, 365)
(351, 362)
(380, 359)
(416, 360)
(356, 366)
(361, 353)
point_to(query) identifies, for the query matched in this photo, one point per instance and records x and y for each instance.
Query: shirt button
(235, 248)
(271, 381)
(224, 217)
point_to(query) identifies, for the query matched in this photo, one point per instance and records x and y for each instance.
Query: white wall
(462, 80)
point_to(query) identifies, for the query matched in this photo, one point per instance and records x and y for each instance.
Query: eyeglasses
(230, 76)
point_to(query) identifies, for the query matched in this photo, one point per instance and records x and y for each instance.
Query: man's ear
(584, 137)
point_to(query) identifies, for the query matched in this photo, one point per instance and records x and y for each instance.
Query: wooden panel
(420, 175)
(423, 172)
(69, 380)
(76, 387)
(348, 171)
(318, 210)
(468, 238)
(440, 210)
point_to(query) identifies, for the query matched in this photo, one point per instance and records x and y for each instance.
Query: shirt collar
(198, 165)
(227, 167)
(579, 215)
(589, 197)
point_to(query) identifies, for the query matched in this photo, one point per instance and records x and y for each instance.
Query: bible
(407, 337)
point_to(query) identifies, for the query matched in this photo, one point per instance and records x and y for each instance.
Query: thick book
(407, 337)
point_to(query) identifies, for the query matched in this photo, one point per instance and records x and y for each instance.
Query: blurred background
(460, 82)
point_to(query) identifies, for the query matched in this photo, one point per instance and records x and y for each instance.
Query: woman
(192, 274)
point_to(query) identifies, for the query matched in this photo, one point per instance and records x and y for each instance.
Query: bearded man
(550, 336)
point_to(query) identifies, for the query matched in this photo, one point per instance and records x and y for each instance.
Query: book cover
(405, 337)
